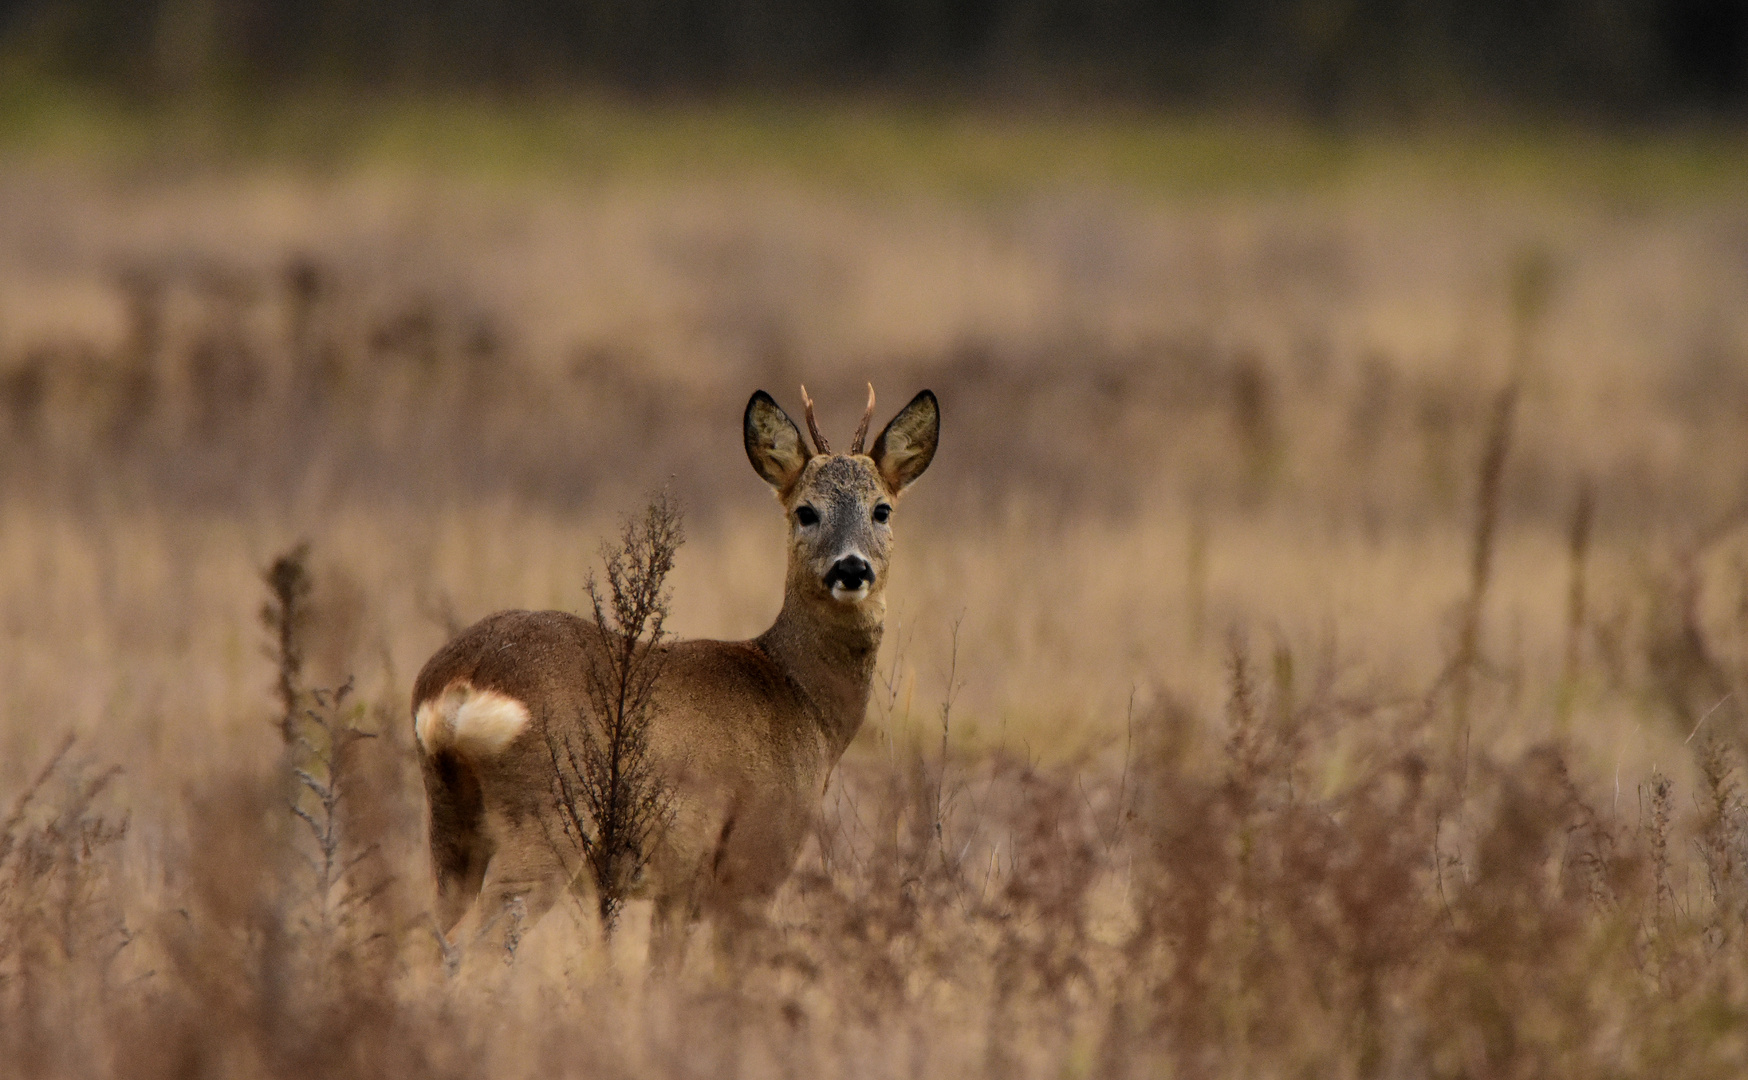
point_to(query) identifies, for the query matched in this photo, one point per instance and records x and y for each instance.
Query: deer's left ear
(906, 447)
(773, 442)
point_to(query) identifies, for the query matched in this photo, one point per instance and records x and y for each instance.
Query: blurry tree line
(1324, 57)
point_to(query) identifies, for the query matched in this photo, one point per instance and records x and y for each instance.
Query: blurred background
(1398, 351)
(1320, 58)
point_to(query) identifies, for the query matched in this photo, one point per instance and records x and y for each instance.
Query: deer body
(742, 735)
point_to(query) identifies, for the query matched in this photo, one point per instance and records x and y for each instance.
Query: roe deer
(742, 734)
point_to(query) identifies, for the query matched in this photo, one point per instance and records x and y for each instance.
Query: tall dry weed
(612, 801)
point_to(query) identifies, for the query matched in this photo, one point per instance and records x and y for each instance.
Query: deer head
(840, 506)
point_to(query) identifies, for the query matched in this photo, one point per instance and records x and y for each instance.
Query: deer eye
(882, 512)
(806, 515)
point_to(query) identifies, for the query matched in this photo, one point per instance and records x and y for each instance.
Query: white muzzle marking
(479, 723)
(849, 596)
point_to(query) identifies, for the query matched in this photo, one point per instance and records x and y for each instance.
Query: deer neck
(828, 652)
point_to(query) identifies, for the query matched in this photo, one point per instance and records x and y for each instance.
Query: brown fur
(744, 733)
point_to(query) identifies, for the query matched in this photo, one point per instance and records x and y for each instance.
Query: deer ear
(906, 447)
(774, 443)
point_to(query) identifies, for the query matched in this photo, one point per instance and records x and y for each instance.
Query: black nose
(851, 571)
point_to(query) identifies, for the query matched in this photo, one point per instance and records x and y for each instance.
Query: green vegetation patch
(869, 145)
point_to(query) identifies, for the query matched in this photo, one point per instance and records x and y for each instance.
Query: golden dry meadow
(1317, 649)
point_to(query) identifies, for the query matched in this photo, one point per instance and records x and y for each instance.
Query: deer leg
(520, 886)
(459, 847)
(738, 929)
(670, 927)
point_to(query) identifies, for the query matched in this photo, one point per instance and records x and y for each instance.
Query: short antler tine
(862, 428)
(812, 424)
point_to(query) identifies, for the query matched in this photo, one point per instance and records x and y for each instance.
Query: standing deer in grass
(741, 735)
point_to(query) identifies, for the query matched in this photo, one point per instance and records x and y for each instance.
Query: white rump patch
(476, 722)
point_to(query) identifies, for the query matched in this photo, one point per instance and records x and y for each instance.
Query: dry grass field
(1318, 648)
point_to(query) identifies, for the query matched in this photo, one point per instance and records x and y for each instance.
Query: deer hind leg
(671, 919)
(460, 848)
(524, 879)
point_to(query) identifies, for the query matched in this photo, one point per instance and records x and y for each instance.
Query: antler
(862, 428)
(812, 424)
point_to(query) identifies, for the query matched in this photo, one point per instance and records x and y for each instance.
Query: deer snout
(850, 578)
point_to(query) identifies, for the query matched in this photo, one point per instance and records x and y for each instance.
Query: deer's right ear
(774, 443)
